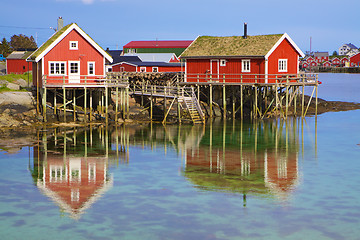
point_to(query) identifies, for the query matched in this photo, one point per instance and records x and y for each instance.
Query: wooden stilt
(211, 102)
(224, 101)
(74, 105)
(55, 102)
(106, 105)
(91, 107)
(287, 96)
(256, 102)
(241, 102)
(303, 100)
(151, 104)
(117, 103)
(85, 105)
(44, 103)
(178, 104)
(64, 102)
(233, 103)
(127, 102)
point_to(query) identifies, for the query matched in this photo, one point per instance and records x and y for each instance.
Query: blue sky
(113, 23)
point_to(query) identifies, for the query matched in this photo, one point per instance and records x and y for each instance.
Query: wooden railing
(82, 80)
(250, 78)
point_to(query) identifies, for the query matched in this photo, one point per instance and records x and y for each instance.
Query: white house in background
(345, 48)
(352, 52)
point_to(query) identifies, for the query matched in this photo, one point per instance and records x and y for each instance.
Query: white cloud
(88, 1)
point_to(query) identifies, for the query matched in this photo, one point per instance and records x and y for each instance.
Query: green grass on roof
(49, 42)
(232, 46)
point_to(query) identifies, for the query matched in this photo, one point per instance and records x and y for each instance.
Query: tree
(335, 53)
(22, 42)
(5, 49)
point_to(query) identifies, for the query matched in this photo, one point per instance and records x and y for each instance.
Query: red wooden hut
(355, 60)
(326, 64)
(16, 62)
(261, 59)
(69, 57)
(345, 61)
(335, 61)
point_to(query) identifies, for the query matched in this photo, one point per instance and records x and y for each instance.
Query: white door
(74, 71)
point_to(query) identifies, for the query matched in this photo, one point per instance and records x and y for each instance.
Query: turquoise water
(289, 179)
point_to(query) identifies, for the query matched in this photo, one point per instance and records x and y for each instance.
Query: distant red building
(355, 60)
(16, 62)
(326, 64)
(260, 58)
(335, 61)
(146, 67)
(345, 61)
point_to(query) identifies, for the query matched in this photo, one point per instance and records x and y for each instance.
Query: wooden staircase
(191, 104)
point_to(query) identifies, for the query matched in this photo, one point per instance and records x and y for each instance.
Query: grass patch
(13, 77)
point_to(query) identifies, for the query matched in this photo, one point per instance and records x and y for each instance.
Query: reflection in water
(260, 159)
(71, 166)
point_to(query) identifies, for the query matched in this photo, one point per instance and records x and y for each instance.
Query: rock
(21, 82)
(6, 111)
(13, 86)
(19, 98)
(3, 83)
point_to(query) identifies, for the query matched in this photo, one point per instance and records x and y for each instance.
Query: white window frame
(283, 65)
(71, 47)
(93, 73)
(153, 69)
(55, 73)
(245, 65)
(223, 63)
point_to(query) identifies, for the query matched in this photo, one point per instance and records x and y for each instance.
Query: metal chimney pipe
(60, 23)
(245, 31)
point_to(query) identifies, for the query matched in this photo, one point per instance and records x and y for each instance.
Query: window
(91, 68)
(245, 65)
(131, 50)
(282, 65)
(142, 69)
(155, 69)
(222, 62)
(73, 45)
(74, 67)
(57, 68)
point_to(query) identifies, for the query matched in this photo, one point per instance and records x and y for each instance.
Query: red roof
(158, 44)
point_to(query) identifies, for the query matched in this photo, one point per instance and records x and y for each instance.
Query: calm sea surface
(284, 179)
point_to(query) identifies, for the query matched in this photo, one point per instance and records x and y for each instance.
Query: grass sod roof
(46, 44)
(232, 46)
(53, 38)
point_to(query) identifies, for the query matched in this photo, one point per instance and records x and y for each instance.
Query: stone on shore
(13, 86)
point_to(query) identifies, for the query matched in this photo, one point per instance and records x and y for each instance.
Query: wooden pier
(192, 98)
